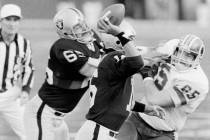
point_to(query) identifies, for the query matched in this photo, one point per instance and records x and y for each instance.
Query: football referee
(16, 69)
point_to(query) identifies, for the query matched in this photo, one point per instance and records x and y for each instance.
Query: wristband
(123, 39)
(138, 107)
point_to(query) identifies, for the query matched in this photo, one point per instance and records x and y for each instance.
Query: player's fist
(145, 72)
(105, 26)
(154, 110)
(115, 13)
(111, 17)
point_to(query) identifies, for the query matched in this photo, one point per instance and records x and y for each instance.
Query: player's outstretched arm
(151, 55)
(128, 45)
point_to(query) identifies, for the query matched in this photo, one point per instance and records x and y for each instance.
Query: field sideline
(42, 35)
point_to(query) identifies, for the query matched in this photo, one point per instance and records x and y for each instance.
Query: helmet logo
(59, 24)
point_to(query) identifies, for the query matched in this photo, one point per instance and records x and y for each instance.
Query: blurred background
(154, 21)
(194, 10)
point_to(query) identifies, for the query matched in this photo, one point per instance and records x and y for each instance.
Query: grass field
(42, 35)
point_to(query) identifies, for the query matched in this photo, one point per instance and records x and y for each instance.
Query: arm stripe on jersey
(181, 96)
(39, 120)
(96, 132)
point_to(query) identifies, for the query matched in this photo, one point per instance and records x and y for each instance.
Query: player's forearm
(89, 67)
(150, 54)
(93, 62)
(128, 45)
(144, 51)
(130, 50)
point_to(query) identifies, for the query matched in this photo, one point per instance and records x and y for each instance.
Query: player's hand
(145, 72)
(149, 71)
(154, 110)
(24, 97)
(105, 26)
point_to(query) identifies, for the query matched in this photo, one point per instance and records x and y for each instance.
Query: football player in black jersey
(111, 86)
(72, 60)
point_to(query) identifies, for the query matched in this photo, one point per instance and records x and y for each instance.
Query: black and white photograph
(104, 69)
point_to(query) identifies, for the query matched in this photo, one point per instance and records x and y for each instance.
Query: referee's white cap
(10, 10)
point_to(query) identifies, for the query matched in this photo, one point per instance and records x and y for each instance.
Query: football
(115, 13)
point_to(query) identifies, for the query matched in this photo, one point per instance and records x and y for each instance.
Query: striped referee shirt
(15, 63)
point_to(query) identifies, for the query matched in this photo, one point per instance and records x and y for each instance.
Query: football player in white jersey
(179, 86)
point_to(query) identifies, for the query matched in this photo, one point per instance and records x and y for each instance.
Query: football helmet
(70, 24)
(188, 53)
(112, 42)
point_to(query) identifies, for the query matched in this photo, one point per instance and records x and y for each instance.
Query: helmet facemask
(80, 32)
(188, 53)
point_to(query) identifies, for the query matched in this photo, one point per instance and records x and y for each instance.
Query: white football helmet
(70, 24)
(188, 53)
(113, 42)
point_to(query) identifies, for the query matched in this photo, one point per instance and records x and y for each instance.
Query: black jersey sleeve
(129, 66)
(70, 53)
(126, 66)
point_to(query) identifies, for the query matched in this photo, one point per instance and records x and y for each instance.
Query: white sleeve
(89, 68)
(184, 92)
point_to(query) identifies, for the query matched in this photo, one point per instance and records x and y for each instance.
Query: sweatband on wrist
(138, 107)
(123, 39)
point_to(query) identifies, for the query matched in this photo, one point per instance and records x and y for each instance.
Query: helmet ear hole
(202, 51)
(176, 51)
(118, 42)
